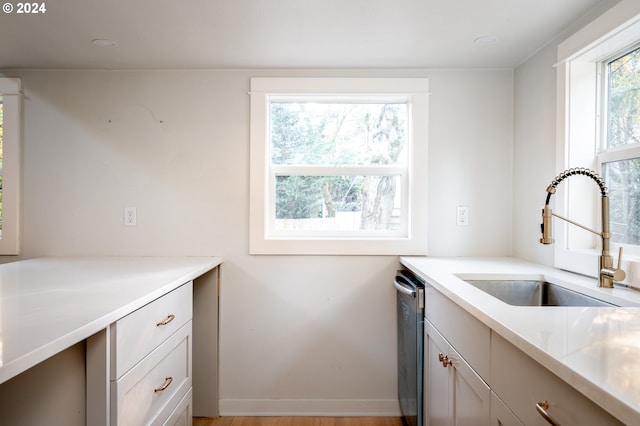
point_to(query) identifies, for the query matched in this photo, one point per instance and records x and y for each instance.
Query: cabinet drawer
(143, 393)
(465, 333)
(182, 414)
(521, 383)
(137, 334)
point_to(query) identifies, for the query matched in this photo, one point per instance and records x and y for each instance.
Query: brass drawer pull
(444, 359)
(167, 382)
(170, 318)
(542, 408)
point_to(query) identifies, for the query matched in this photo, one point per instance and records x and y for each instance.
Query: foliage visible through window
(1, 126)
(338, 164)
(622, 170)
(10, 136)
(624, 100)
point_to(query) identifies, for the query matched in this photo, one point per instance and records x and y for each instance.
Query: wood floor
(298, 421)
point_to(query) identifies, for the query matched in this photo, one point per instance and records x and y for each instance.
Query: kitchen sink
(535, 293)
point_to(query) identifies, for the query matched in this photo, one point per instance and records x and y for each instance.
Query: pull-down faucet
(608, 274)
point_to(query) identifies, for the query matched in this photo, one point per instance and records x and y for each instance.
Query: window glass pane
(308, 133)
(338, 203)
(624, 100)
(623, 181)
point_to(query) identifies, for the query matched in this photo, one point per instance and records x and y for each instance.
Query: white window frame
(618, 153)
(10, 90)
(413, 239)
(579, 133)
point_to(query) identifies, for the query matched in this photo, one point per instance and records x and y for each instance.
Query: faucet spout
(608, 274)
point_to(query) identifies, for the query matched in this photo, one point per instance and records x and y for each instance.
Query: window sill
(586, 262)
(365, 247)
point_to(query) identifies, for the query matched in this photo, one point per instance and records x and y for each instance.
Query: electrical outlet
(462, 215)
(130, 216)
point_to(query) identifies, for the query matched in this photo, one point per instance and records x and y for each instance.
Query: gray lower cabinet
(475, 377)
(455, 394)
(532, 392)
(145, 358)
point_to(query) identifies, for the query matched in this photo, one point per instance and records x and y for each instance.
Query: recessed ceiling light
(486, 40)
(103, 42)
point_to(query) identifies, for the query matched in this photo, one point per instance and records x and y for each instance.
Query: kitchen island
(595, 350)
(50, 304)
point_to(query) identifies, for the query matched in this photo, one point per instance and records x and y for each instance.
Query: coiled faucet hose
(577, 171)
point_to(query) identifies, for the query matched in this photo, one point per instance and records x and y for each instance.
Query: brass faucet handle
(619, 274)
(620, 257)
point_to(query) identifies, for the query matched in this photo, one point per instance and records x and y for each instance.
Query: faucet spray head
(546, 225)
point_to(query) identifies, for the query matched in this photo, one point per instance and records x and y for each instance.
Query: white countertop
(50, 304)
(596, 350)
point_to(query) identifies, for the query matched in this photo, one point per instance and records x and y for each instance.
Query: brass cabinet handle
(170, 318)
(542, 408)
(167, 382)
(444, 359)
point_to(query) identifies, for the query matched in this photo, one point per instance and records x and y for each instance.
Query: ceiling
(209, 34)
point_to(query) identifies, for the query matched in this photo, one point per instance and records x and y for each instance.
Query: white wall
(534, 142)
(175, 144)
(534, 148)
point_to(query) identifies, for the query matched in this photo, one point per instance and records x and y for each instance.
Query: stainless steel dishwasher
(410, 313)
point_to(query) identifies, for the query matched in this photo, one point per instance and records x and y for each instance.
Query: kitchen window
(599, 128)
(619, 154)
(10, 136)
(338, 166)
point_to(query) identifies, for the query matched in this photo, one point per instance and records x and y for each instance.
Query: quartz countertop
(50, 304)
(594, 349)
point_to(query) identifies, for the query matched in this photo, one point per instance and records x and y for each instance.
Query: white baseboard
(309, 407)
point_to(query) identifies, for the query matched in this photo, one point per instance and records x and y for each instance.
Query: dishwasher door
(410, 314)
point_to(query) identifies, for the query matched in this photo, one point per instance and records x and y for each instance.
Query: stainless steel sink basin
(535, 293)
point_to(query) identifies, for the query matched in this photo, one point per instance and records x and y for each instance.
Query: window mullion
(619, 153)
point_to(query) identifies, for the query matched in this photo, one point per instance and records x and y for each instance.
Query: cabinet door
(438, 380)
(455, 393)
(472, 396)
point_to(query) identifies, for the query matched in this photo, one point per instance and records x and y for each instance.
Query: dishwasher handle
(404, 287)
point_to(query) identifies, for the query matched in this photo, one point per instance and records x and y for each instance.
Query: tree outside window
(338, 166)
(309, 136)
(622, 138)
(1, 126)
